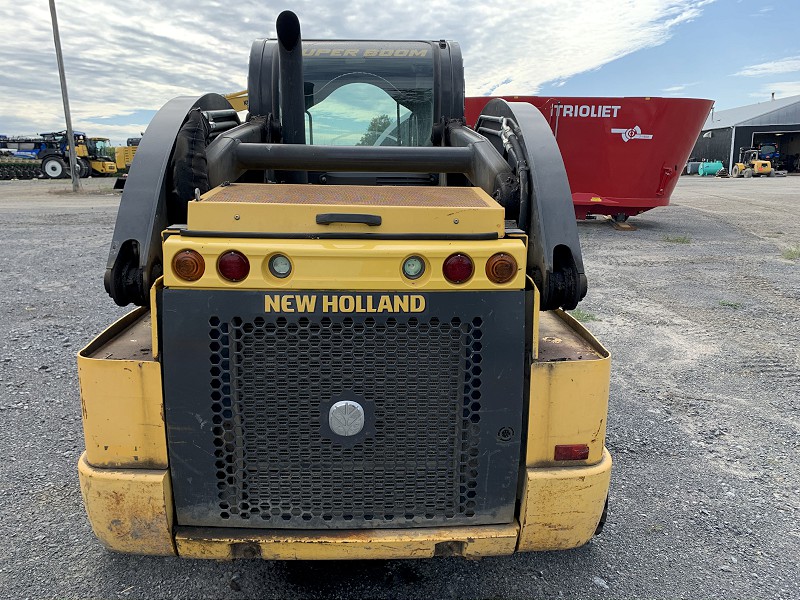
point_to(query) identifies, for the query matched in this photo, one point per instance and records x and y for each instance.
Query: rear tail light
(572, 452)
(458, 268)
(188, 265)
(501, 268)
(233, 266)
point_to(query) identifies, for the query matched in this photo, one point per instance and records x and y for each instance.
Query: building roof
(772, 112)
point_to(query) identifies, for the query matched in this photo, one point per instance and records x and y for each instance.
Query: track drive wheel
(54, 167)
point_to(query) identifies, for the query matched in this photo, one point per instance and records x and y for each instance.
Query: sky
(124, 60)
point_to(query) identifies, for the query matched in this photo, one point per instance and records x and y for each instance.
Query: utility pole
(73, 159)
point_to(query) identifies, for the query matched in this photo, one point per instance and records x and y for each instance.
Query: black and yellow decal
(344, 303)
(383, 52)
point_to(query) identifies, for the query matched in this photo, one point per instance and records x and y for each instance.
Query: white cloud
(678, 89)
(562, 38)
(124, 58)
(782, 89)
(774, 67)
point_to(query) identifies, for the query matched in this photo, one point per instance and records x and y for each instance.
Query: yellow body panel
(105, 167)
(121, 399)
(130, 510)
(760, 167)
(123, 155)
(155, 289)
(536, 319)
(561, 506)
(469, 542)
(366, 265)
(288, 209)
(568, 403)
(238, 100)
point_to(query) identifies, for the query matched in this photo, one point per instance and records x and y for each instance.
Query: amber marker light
(233, 266)
(458, 268)
(501, 268)
(188, 265)
(571, 452)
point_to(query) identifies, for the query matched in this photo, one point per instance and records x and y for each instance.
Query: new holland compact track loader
(351, 339)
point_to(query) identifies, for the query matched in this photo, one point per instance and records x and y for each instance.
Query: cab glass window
(360, 94)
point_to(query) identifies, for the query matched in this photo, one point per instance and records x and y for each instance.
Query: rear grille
(277, 466)
(250, 394)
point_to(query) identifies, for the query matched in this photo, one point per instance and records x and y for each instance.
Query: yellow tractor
(750, 165)
(97, 154)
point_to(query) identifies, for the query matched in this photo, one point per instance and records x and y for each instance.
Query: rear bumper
(131, 510)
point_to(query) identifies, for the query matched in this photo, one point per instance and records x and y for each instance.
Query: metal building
(775, 122)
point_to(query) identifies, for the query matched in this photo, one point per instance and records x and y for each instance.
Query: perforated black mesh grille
(275, 464)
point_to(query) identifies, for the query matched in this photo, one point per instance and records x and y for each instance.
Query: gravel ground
(698, 306)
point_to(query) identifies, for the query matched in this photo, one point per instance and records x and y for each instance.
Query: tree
(376, 127)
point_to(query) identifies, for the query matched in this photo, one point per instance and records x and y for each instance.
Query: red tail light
(572, 452)
(458, 268)
(233, 266)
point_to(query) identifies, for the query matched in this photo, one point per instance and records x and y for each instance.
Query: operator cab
(367, 93)
(99, 148)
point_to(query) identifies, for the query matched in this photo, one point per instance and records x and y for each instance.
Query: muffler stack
(291, 99)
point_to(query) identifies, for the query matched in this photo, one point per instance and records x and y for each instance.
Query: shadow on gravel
(521, 575)
(635, 223)
(326, 577)
(98, 192)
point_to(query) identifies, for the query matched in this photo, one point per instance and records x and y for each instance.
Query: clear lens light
(280, 266)
(413, 267)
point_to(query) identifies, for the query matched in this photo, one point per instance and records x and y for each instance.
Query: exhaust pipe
(291, 91)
